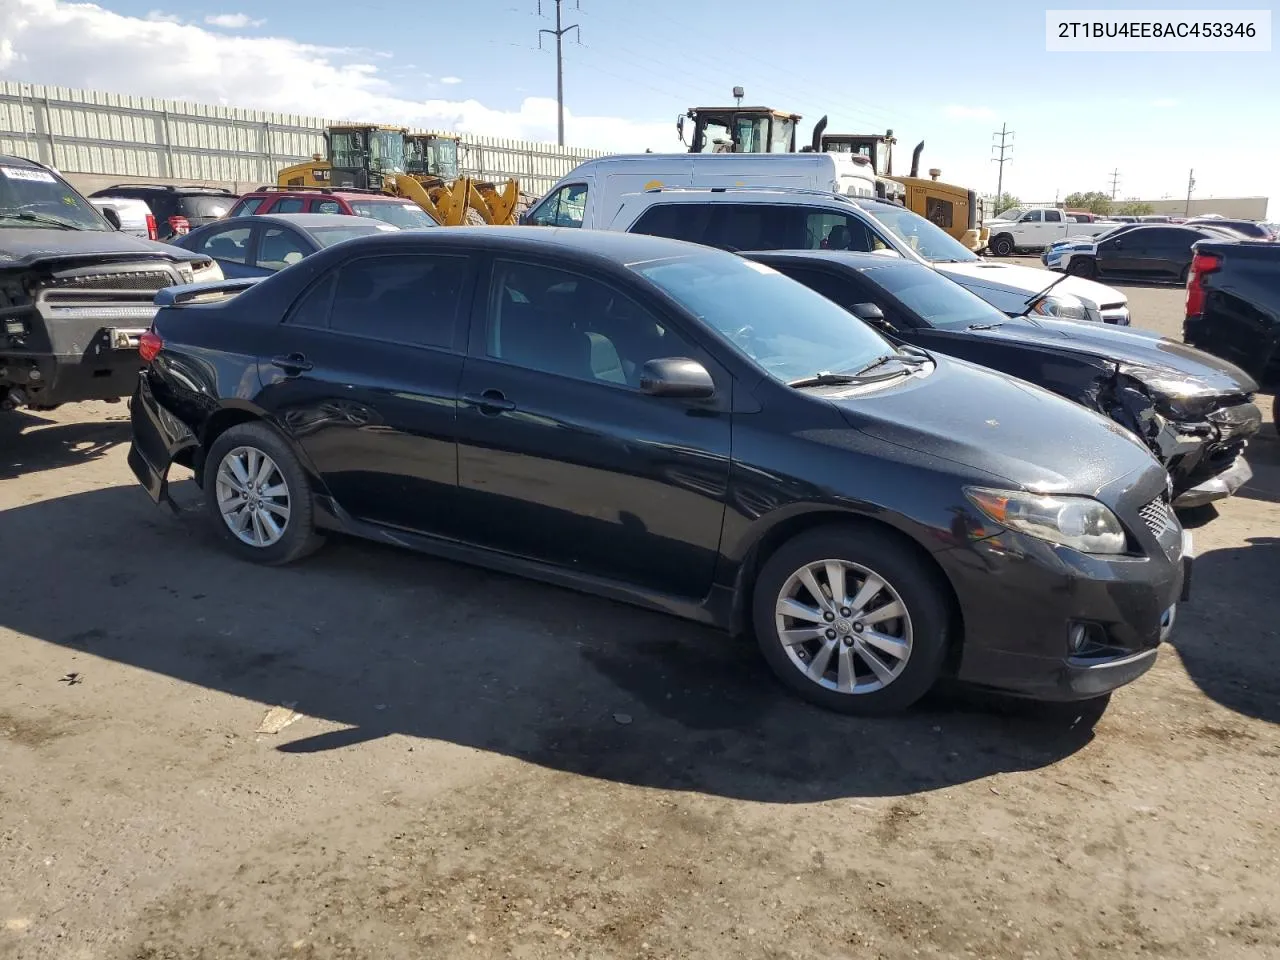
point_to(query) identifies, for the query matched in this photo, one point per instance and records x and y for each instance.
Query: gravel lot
(379, 755)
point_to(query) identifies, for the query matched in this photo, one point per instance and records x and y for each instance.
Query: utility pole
(1191, 182)
(558, 33)
(1004, 146)
(1115, 180)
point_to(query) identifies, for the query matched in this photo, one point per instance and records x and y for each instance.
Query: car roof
(11, 161)
(326, 193)
(687, 194)
(305, 220)
(854, 259)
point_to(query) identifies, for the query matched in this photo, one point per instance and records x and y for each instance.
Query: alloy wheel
(253, 496)
(843, 626)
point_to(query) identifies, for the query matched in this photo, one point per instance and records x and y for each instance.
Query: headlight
(1060, 308)
(1080, 523)
(207, 271)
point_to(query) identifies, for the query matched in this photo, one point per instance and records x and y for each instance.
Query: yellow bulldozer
(419, 167)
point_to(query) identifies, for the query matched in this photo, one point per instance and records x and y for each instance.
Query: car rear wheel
(1002, 246)
(851, 620)
(258, 496)
(1082, 267)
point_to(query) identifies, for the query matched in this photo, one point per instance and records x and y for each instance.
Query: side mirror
(112, 217)
(676, 377)
(868, 312)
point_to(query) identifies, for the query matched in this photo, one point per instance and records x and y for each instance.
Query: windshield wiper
(823, 379)
(983, 326)
(907, 358)
(41, 218)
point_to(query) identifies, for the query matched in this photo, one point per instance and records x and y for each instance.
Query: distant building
(1234, 208)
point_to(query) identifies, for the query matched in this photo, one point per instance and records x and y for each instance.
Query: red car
(404, 214)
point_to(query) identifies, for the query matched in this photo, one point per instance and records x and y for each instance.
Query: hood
(1167, 366)
(25, 246)
(1029, 280)
(1074, 243)
(999, 425)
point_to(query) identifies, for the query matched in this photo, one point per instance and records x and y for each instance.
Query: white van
(592, 192)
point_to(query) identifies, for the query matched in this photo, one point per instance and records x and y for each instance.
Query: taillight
(180, 225)
(1202, 264)
(149, 346)
(151, 227)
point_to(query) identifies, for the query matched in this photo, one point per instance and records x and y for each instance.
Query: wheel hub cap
(253, 496)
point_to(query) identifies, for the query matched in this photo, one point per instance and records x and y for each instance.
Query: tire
(1183, 274)
(1082, 267)
(285, 486)
(1002, 246)
(908, 582)
(1275, 413)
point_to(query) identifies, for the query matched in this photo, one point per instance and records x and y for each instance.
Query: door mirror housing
(112, 217)
(872, 314)
(676, 377)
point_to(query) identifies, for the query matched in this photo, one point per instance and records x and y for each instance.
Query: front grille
(1157, 515)
(131, 280)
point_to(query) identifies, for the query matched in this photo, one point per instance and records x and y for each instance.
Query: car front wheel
(852, 620)
(1082, 267)
(1002, 246)
(258, 496)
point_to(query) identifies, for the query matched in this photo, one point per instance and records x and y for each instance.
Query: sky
(948, 73)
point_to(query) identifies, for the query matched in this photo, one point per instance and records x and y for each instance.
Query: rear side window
(288, 205)
(230, 244)
(675, 221)
(312, 308)
(411, 299)
(729, 226)
(326, 206)
(247, 207)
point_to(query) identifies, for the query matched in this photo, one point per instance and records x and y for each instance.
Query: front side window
(279, 248)
(1032, 216)
(403, 298)
(562, 323)
(786, 328)
(567, 207)
(937, 301)
(30, 196)
(231, 244)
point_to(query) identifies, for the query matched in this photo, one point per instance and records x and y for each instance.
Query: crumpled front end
(1199, 437)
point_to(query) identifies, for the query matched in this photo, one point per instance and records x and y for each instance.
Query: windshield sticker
(22, 173)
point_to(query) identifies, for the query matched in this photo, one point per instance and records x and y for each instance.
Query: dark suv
(178, 210)
(373, 204)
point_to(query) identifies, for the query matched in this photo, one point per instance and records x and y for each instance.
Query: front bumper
(1218, 487)
(1021, 599)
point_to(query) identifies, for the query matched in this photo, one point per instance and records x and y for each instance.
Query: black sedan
(1156, 251)
(1195, 411)
(258, 246)
(677, 427)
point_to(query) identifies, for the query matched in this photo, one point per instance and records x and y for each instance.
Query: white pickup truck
(1033, 229)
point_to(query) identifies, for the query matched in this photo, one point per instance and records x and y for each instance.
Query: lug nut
(831, 634)
(828, 616)
(845, 611)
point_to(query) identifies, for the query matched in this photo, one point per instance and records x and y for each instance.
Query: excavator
(955, 209)
(422, 168)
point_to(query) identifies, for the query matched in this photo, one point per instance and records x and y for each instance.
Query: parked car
(257, 246)
(777, 219)
(1020, 229)
(677, 427)
(178, 209)
(396, 211)
(1251, 229)
(1194, 411)
(75, 292)
(133, 217)
(1143, 252)
(1233, 306)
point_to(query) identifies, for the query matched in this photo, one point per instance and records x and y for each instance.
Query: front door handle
(293, 364)
(491, 402)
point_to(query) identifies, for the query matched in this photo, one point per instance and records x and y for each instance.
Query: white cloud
(961, 112)
(159, 16)
(85, 45)
(450, 80)
(233, 21)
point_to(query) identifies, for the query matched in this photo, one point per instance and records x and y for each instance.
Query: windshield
(406, 216)
(782, 325)
(33, 197)
(385, 150)
(205, 208)
(926, 239)
(751, 133)
(328, 236)
(444, 158)
(939, 302)
(1013, 213)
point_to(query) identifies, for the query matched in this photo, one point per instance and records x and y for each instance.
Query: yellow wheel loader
(419, 167)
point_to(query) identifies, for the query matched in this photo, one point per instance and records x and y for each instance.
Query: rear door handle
(491, 402)
(293, 364)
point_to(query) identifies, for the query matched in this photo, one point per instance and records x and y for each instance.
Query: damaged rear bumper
(1218, 487)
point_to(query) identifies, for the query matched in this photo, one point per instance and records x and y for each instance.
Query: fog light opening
(1077, 637)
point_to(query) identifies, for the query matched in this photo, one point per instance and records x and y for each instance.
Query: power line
(1005, 147)
(559, 33)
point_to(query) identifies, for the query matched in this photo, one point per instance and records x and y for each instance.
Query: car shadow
(382, 642)
(1228, 634)
(31, 443)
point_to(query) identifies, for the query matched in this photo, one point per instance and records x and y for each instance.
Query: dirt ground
(377, 755)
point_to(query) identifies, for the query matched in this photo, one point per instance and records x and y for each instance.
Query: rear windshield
(406, 216)
(33, 197)
(940, 302)
(328, 236)
(210, 208)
